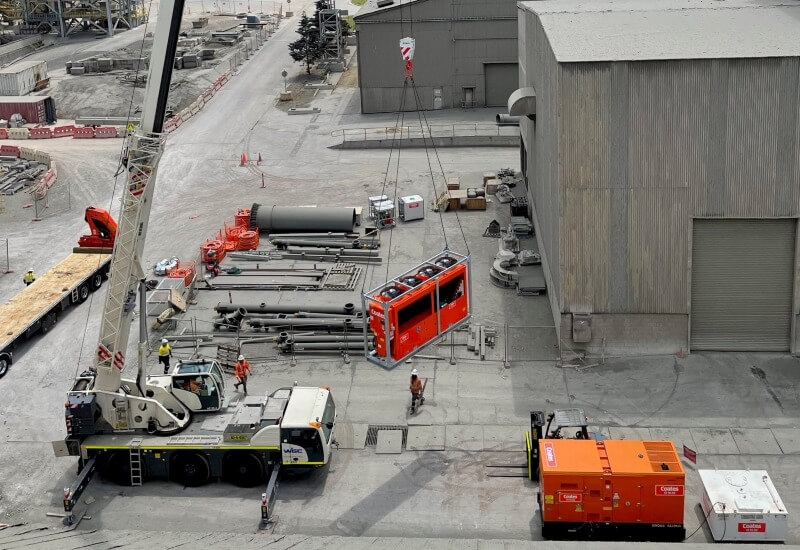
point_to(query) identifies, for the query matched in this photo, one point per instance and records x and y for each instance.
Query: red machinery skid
(418, 307)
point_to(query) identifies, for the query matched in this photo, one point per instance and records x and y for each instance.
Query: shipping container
(612, 490)
(36, 109)
(22, 78)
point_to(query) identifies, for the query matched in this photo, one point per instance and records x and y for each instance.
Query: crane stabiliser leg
(268, 500)
(73, 494)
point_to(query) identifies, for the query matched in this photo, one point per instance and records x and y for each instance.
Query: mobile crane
(128, 428)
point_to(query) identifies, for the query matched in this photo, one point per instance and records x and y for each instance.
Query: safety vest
(29, 277)
(163, 350)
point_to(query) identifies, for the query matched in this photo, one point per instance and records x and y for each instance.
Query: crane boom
(144, 153)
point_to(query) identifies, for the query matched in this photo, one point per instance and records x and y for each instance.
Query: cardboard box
(453, 183)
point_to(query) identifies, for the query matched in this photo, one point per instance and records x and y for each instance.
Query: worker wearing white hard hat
(243, 369)
(164, 353)
(416, 388)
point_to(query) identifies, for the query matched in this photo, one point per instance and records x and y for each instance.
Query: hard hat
(164, 340)
(241, 358)
(414, 372)
(30, 270)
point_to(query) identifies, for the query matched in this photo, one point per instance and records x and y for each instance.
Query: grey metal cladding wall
(671, 141)
(541, 137)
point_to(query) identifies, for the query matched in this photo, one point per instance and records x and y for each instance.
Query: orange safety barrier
(242, 218)
(217, 245)
(83, 132)
(414, 310)
(3, 133)
(186, 271)
(230, 246)
(40, 133)
(9, 151)
(232, 233)
(105, 132)
(248, 240)
(63, 131)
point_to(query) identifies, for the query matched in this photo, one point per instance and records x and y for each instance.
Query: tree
(307, 48)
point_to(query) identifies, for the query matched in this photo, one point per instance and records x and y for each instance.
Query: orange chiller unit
(415, 309)
(610, 490)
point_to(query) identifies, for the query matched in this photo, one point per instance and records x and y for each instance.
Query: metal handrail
(426, 131)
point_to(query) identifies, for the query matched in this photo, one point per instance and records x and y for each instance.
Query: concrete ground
(735, 410)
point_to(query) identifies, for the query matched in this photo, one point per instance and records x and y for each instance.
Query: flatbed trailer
(36, 308)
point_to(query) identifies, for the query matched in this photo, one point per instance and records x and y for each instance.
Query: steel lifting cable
(439, 161)
(396, 179)
(386, 176)
(116, 176)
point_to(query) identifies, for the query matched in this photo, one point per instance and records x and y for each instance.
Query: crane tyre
(117, 468)
(190, 469)
(243, 469)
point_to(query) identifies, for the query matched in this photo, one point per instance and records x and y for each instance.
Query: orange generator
(416, 308)
(610, 490)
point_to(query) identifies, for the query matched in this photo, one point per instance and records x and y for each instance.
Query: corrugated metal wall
(454, 39)
(647, 146)
(538, 69)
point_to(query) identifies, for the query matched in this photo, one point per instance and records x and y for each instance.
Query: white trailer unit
(743, 506)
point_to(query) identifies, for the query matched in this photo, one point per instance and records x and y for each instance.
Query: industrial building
(660, 145)
(67, 16)
(466, 53)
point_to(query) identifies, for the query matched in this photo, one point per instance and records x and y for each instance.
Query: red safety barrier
(248, 240)
(242, 218)
(186, 271)
(49, 178)
(105, 132)
(40, 133)
(3, 133)
(208, 94)
(63, 131)
(9, 151)
(83, 132)
(177, 121)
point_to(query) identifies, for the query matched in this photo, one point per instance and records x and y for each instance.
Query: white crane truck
(132, 430)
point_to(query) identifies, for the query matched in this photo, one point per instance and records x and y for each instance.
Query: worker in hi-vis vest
(164, 353)
(28, 278)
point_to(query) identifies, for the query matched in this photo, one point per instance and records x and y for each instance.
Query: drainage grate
(372, 433)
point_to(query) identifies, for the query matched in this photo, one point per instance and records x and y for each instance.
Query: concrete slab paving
(678, 436)
(629, 433)
(756, 441)
(714, 441)
(351, 435)
(428, 414)
(389, 442)
(504, 438)
(788, 439)
(463, 438)
(425, 438)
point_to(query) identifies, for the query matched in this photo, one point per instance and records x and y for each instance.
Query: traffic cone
(263, 186)
(244, 160)
(680, 354)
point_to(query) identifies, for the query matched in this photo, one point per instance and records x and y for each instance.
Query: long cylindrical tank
(270, 217)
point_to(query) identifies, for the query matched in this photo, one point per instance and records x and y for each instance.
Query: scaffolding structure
(67, 16)
(330, 33)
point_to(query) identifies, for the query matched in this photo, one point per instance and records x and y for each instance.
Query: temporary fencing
(84, 132)
(185, 271)
(40, 133)
(242, 218)
(49, 196)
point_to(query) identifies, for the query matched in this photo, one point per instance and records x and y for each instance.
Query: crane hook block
(410, 312)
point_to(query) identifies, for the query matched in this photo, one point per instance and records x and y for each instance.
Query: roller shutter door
(501, 79)
(742, 273)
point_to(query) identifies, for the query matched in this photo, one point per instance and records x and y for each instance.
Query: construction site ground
(737, 410)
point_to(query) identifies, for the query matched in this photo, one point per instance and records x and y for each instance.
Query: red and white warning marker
(407, 50)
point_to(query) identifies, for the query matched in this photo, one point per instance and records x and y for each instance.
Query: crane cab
(409, 312)
(307, 427)
(199, 385)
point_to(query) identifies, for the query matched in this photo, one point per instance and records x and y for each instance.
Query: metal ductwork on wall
(522, 102)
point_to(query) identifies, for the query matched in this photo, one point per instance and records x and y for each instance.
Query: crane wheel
(190, 469)
(117, 468)
(243, 469)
